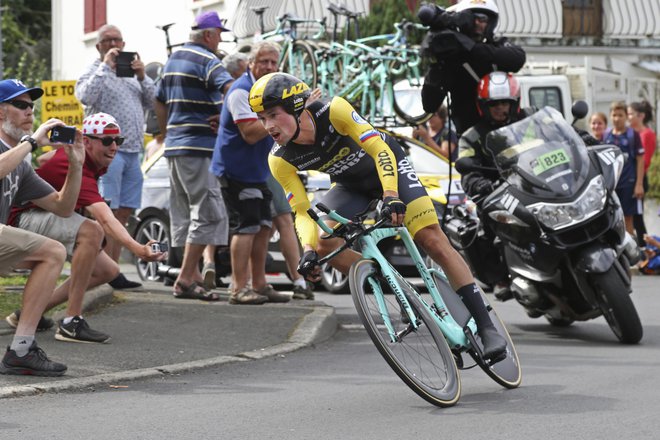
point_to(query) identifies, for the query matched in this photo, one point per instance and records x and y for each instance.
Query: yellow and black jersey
(359, 159)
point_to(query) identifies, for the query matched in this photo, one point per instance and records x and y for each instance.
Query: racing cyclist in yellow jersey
(363, 164)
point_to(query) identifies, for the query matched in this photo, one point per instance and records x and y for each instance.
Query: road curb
(315, 327)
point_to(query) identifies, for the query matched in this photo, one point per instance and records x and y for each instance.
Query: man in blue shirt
(240, 162)
(187, 106)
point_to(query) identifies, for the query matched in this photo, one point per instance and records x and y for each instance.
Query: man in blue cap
(22, 249)
(187, 107)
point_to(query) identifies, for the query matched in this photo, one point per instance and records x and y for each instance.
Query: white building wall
(73, 50)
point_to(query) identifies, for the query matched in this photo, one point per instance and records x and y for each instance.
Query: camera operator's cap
(208, 20)
(11, 88)
(97, 124)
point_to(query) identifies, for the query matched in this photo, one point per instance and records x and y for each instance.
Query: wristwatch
(30, 139)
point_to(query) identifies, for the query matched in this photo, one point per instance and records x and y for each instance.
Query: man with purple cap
(26, 250)
(82, 236)
(187, 106)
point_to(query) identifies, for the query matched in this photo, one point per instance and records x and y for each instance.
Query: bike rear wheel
(421, 358)
(506, 372)
(301, 63)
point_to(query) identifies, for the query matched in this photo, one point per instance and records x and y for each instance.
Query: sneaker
(79, 331)
(122, 283)
(273, 295)
(494, 343)
(43, 325)
(300, 292)
(34, 363)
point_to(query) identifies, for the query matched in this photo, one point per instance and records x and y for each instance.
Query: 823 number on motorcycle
(549, 160)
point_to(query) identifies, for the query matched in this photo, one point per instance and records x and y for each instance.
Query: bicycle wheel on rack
(407, 102)
(421, 358)
(301, 63)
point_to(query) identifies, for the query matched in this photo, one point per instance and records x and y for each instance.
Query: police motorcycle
(558, 222)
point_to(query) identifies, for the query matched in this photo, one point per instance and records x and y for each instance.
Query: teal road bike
(425, 338)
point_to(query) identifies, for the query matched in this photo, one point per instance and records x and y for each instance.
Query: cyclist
(364, 164)
(461, 48)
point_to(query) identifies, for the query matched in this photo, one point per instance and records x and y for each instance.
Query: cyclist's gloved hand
(309, 266)
(483, 187)
(393, 208)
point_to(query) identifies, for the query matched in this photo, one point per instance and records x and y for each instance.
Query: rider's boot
(494, 343)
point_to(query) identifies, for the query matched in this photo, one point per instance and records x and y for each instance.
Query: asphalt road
(578, 382)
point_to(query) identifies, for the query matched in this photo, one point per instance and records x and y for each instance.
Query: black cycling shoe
(494, 343)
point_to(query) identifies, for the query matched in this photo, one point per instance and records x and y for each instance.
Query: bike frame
(455, 335)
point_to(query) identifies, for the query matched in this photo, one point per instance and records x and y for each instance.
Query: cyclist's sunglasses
(483, 18)
(107, 141)
(22, 105)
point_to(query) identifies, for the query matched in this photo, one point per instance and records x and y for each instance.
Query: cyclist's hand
(394, 208)
(309, 266)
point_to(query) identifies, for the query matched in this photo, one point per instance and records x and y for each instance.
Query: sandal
(193, 291)
(247, 296)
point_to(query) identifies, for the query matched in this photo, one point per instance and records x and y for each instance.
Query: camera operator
(462, 49)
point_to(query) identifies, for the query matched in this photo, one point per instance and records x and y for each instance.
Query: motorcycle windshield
(540, 155)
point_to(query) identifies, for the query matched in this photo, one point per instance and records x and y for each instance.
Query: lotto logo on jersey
(357, 118)
(294, 90)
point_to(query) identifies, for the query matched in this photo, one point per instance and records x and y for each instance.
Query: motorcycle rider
(498, 104)
(462, 48)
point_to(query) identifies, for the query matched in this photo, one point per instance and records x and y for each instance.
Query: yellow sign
(60, 102)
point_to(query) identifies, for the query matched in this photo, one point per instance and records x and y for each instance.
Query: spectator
(81, 236)
(598, 125)
(462, 48)
(23, 249)
(640, 115)
(651, 263)
(236, 64)
(240, 161)
(630, 188)
(436, 134)
(187, 101)
(283, 222)
(126, 98)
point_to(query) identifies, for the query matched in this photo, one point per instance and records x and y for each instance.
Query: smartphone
(63, 134)
(124, 60)
(159, 247)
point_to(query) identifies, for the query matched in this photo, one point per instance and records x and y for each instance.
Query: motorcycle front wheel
(617, 306)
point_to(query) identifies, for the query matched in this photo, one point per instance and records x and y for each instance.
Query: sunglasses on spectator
(107, 141)
(21, 104)
(483, 18)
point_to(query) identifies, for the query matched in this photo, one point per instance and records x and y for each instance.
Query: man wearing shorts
(82, 236)
(187, 107)
(126, 98)
(22, 249)
(240, 163)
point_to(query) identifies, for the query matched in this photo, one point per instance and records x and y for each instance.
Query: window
(539, 97)
(95, 14)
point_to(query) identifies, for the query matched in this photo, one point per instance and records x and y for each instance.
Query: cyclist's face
(280, 125)
(264, 63)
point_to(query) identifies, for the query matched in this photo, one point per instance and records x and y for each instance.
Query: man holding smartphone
(83, 233)
(104, 87)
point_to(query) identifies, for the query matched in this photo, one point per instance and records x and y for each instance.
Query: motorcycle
(558, 223)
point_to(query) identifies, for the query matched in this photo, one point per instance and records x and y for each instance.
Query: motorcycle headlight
(563, 215)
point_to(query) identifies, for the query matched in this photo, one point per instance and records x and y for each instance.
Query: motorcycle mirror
(579, 109)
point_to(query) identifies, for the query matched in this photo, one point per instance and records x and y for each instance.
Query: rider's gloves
(308, 262)
(392, 205)
(483, 187)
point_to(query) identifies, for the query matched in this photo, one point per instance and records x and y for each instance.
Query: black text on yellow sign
(60, 102)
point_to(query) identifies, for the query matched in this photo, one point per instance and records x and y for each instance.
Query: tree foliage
(384, 13)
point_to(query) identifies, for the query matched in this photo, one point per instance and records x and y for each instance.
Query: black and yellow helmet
(279, 89)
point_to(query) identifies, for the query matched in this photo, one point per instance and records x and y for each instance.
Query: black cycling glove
(308, 261)
(392, 205)
(483, 187)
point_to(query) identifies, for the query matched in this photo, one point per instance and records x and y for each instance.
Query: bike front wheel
(421, 356)
(300, 62)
